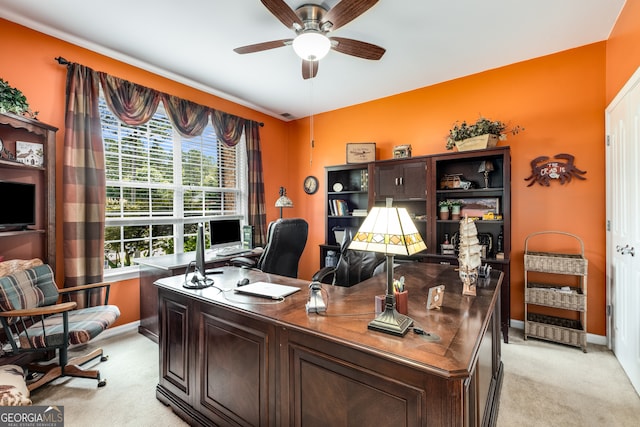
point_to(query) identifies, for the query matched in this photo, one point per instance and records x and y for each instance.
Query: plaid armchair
(39, 317)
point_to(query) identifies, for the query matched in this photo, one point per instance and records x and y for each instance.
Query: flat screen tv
(20, 209)
(225, 232)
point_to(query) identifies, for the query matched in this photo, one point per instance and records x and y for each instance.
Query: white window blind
(160, 185)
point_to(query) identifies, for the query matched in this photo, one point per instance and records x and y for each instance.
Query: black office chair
(286, 239)
(353, 266)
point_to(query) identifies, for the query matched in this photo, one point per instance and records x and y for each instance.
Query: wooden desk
(227, 359)
(154, 268)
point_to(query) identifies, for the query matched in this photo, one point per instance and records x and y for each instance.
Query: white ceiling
(427, 42)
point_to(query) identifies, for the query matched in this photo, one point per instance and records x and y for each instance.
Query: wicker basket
(565, 331)
(548, 262)
(539, 294)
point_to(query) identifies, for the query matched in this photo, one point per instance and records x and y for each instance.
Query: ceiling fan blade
(309, 69)
(357, 48)
(346, 11)
(283, 12)
(262, 46)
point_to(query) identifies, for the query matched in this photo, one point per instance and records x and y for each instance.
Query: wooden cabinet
(346, 202)
(37, 241)
(457, 177)
(419, 184)
(401, 180)
(545, 286)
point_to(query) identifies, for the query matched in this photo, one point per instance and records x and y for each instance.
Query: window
(160, 185)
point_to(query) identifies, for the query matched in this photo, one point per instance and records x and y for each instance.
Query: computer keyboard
(232, 251)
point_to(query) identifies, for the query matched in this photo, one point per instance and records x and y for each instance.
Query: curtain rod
(63, 61)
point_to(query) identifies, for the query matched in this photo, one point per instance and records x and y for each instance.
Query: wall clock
(310, 184)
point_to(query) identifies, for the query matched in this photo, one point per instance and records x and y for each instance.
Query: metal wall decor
(544, 169)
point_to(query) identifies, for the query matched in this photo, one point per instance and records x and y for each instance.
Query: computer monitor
(225, 232)
(199, 278)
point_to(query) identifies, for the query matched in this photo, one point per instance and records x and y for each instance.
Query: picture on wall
(30, 153)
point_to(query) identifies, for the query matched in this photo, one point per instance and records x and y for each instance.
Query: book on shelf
(360, 212)
(339, 207)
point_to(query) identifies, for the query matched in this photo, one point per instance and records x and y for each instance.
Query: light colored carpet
(128, 399)
(545, 384)
(548, 384)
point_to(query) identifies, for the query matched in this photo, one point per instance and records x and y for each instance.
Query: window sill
(119, 274)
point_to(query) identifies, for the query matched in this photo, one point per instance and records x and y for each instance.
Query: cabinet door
(175, 349)
(387, 181)
(406, 180)
(414, 180)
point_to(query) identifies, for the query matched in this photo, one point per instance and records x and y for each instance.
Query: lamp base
(391, 322)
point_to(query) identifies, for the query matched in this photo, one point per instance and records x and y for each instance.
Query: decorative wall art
(361, 152)
(30, 153)
(544, 169)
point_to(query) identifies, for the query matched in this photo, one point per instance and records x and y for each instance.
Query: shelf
(17, 165)
(478, 191)
(19, 232)
(557, 329)
(549, 294)
(338, 193)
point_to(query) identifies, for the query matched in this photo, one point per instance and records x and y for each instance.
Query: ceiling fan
(311, 24)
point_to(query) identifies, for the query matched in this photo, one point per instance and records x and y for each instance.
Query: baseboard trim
(591, 338)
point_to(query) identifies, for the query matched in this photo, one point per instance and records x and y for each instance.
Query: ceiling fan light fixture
(311, 46)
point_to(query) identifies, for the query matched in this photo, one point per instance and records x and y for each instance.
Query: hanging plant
(13, 101)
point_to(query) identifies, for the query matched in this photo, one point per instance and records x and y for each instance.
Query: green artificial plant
(13, 101)
(483, 126)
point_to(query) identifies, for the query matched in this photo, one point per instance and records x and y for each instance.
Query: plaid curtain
(84, 169)
(83, 173)
(257, 214)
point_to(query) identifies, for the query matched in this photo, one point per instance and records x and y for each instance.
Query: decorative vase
(477, 142)
(455, 212)
(444, 212)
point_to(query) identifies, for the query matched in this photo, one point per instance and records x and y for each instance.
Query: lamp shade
(283, 201)
(311, 45)
(388, 230)
(486, 166)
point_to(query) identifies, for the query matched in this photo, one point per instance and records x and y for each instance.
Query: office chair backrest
(355, 266)
(286, 239)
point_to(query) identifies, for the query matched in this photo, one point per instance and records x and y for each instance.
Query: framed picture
(477, 207)
(30, 153)
(361, 152)
(436, 295)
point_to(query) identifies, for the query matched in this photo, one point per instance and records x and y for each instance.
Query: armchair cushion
(84, 324)
(28, 289)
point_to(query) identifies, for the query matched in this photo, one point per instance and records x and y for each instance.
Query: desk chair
(286, 239)
(353, 266)
(38, 317)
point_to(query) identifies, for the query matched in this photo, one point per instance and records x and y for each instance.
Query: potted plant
(444, 209)
(13, 101)
(455, 209)
(481, 134)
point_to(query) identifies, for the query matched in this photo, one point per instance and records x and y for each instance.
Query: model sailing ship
(469, 260)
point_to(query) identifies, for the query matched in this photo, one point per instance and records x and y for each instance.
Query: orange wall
(28, 64)
(559, 99)
(623, 49)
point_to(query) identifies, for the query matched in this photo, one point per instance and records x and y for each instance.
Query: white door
(623, 223)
